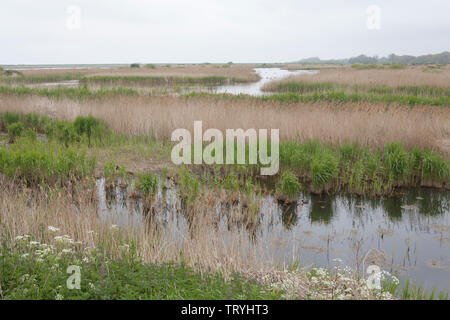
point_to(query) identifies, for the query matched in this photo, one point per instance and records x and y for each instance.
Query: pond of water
(410, 232)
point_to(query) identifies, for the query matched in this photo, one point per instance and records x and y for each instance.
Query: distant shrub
(135, 65)
(397, 66)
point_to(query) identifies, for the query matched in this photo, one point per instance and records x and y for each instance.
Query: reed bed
(410, 76)
(244, 73)
(158, 80)
(372, 125)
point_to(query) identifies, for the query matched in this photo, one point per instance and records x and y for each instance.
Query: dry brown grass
(30, 212)
(369, 124)
(241, 72)
(411, 76)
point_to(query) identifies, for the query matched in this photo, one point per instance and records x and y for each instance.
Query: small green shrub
(89, 126)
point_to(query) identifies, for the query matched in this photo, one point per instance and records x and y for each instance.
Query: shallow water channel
(253, 88)
(266, 75)
(411, 232)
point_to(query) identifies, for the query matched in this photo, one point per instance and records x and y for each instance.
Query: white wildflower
(53, 229)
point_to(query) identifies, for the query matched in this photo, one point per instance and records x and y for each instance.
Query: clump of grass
(147, 184)
(396, 160)
(30, 134)
(113, 172)
(15, 130)
(434, 167)
(135, 65)
(189, 185)
(324, 167)
(288, 188)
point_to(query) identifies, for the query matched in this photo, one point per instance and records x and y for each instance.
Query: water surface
(412, 231)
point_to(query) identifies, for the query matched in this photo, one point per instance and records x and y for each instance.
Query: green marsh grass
(289, 187)
(79, 93)
(15, 130)
(42, 78)
(147, 184)
(37, 163)
(126, 277)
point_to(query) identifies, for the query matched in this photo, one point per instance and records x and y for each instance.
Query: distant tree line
(439, 58)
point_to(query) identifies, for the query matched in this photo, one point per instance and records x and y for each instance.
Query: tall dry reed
(411, 76)
(369, 124)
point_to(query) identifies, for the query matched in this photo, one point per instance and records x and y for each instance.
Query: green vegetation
(43, 78)
(89, 126)
(356, 169)
(73, 93)
(338, 97)
(30, 120)
(37, 163)
(341, 97)
(289, 186)
(333, 92)
(362, 66)
(14, 131)
(112, 172)
(189, 185)
(31, 270)
(147, 184)
(321, 167)
(135, 65)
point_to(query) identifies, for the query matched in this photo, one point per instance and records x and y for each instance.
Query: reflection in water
(321, 209)
(289, 215)
(411, 229)
(266, 74)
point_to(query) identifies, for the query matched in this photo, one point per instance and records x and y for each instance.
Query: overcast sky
(172, 31)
